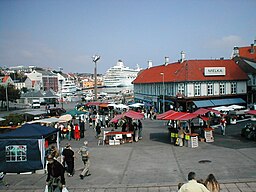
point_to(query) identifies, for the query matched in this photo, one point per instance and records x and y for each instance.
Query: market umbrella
(65, 118)
(75, 112)
(133, 114)
(162, 115)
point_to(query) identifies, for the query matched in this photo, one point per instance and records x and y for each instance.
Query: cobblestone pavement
(155, 165)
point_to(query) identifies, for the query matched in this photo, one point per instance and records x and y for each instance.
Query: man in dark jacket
(55, 175)
(69, 159)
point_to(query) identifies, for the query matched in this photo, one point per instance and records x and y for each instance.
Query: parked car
(35, 104)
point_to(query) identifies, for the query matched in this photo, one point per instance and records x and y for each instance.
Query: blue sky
(67, 33)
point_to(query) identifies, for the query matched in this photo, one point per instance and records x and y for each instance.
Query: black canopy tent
(23, 149)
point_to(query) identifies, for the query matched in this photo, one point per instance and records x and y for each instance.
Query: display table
(117, 137)
(191, 140)
(208, 134)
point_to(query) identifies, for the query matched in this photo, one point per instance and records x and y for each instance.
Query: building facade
(190, 84)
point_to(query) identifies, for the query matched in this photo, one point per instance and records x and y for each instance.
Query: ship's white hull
(120, 76)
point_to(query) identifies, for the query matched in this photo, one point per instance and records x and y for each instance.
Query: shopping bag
(64, 189)
(46, 188)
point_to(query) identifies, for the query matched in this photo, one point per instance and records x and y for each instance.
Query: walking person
(135, 131)
(192, 185)
(77, 132)
(55, 175)
(223, 123)
(212, 184)
(69, 159)
(140, 129)
(82, 128)
(84, 152)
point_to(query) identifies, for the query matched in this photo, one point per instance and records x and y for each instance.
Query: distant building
(190, 84)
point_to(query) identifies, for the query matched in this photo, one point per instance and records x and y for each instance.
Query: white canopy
(136, 105)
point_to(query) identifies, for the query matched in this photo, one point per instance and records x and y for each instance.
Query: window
(233, 88)
(210, 89)
(16, 153)
(222, 88)
(181, 89)
(197, 89)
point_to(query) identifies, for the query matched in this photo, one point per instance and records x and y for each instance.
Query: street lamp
(95, 58)
(61, 99)
(163, 93)
(6, 94)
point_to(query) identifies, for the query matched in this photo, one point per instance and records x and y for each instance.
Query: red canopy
(174, 116)
(133, 114)
(251, 112)
(162, 115)
(187, 116)
(93, 103)
(201, 111)
(116, 118)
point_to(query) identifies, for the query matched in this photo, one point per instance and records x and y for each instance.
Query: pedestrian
(69, 131)
(69, 159)
(53, 151)
(135, 131)
(98, 130)
(77, 132)
(82, 128)
(55, 175)
(223, 123)
(140, 129)
(192, 185)
(212, 184)
(181, 135)
(84, 152)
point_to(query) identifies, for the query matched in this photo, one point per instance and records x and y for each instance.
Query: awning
(175, 116)
(35, 112)
(105, 105)
(116, 118)
(251, 112)
(92, 103)
(201, 111)
(218, 102)
(232, 101)
(203, 103)
(133, 114)
(162, 115)
(187, 116)
(46, 120)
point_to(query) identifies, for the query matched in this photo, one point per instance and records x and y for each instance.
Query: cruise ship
(120, 75)
(68, 88)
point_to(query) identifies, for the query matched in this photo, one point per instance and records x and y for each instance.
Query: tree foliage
(12, 93)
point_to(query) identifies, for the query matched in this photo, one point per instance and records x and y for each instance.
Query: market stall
(119, 137)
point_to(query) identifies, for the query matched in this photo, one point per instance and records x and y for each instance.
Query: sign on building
(214, 71)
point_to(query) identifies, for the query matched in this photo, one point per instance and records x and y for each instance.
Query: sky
(67, 33)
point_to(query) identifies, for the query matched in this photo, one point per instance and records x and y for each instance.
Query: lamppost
(6, 95)
(61, 99)
(163, 93)
(95, 58)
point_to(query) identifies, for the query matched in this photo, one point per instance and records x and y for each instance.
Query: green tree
(12, 94)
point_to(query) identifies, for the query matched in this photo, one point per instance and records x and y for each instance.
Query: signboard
(214, 71)
(208, 136)
(194, 142)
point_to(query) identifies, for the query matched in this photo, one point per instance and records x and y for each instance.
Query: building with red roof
(189, 84)
(245, 58)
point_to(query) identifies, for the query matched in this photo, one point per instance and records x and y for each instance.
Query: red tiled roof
(246, 53)
(5, 78)
(191, 70)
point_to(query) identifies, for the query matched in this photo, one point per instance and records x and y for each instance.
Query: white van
(35, 104)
